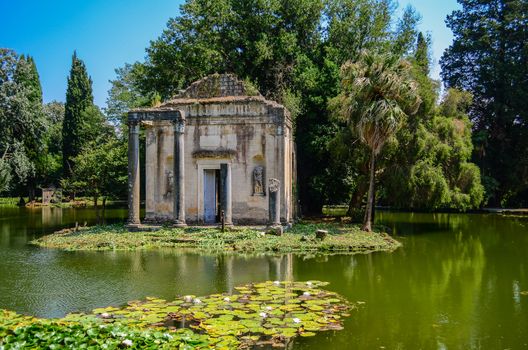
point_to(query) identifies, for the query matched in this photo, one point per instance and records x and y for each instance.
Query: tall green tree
(421, 54)
(426, 165)
(489, 58)
(20, 119)
(291, 50)
(28, 81)
(79, 99)
(377, 94)
(101, 171)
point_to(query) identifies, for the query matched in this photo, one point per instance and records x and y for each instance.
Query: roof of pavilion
(214, 88)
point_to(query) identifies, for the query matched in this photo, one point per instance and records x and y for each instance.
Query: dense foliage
(100, 170)
(377, 94)
(489, 58)
(292, 51)
(35, 136)
(426, 164)
(22, 123)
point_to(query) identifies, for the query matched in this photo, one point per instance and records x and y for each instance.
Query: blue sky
(107, 34)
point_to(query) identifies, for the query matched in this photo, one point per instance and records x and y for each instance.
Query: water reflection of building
(51, 216)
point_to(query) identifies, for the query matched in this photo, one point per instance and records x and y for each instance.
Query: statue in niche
(258, 181)
(169, 183)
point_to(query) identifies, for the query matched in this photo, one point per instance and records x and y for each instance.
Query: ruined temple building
(218, 150)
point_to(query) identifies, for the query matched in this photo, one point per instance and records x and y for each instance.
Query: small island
(301, 238)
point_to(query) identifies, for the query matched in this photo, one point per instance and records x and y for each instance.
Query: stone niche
(210, 151)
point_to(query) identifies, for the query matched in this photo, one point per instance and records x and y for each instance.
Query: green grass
(79, 202)
(335, 210)
(10, 200)
(300, 239)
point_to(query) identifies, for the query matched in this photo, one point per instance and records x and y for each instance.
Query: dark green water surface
(457, 282)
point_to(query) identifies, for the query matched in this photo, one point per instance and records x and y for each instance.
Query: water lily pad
(266, 314)
(307, 334)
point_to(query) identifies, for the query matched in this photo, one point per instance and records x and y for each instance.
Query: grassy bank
(79, 202)
(300, 239)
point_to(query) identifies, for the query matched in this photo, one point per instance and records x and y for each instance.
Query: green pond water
(457, 283)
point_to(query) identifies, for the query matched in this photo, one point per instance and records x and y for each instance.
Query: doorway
(211, 195)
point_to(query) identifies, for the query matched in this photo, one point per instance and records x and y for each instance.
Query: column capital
(133, 122)
(179, 123)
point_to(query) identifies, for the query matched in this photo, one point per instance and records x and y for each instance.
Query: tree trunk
(104, 209)
(31, 190)
(373, 214)
(367, 226)
(97, 221)
(357, 197)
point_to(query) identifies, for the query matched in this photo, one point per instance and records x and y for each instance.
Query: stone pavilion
(216, 151)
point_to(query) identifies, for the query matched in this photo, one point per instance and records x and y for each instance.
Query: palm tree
(377, 93)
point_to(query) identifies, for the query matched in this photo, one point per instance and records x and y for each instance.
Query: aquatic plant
(23, 332)
(267, 313)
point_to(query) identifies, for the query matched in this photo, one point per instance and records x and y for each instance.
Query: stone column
(228, 197)
(226, 200)
(286, 181)
(274, 202)
(133, 173)
(179, 171)
(281, 169)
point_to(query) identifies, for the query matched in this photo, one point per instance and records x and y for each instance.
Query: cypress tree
(27, 77)
(421, 55)
(30, 96)
(78, 98)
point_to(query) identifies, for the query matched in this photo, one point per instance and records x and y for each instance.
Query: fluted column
(179, 171)
(133, 173)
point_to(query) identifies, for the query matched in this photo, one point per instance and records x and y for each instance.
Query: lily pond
(460, 281)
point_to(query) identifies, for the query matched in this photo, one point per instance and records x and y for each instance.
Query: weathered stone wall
(215, 85)
(246, 134)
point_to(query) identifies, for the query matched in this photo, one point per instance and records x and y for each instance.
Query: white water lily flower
(197, 301)
(306, 294)
(296, 320)
(105, 315)
(269, 308)
(263, 314)
(187, 298)
(309, 284)
(227, 300)
(127, 342)
(276, 283)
